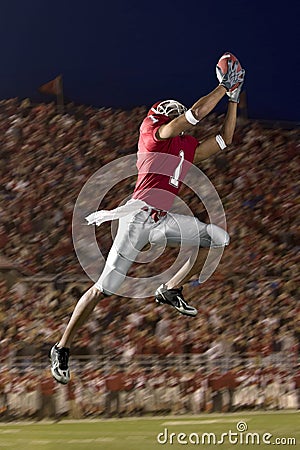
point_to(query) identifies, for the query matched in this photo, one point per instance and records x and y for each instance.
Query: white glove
(234, 96)
(232, 76)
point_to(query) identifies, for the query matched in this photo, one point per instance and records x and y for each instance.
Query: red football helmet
(169, 108)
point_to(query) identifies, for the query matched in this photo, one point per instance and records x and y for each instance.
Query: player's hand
(234, 96)
(232, 76)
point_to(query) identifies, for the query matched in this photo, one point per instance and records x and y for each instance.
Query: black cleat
(59, 358)
(174, 298)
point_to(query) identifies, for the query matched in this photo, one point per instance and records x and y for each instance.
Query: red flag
(53, 87)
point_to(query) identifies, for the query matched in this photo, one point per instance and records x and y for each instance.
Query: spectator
(114, 386)
(47, 391)
(253, 296)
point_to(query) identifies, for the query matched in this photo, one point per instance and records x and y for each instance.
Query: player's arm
(218, 142)
(198, 111)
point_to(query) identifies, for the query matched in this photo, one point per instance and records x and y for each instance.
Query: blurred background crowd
(249, 315)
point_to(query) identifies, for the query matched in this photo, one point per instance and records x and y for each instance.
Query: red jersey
(162, 164)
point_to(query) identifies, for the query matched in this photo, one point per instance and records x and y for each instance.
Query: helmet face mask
(169, 108)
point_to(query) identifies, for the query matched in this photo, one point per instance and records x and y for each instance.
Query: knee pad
(110, 283)
(218, 236)
(100, 289)
(114, 273)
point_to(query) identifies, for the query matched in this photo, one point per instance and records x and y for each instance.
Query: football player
(165, 153)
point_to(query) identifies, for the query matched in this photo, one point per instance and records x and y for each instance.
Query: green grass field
(142, 434)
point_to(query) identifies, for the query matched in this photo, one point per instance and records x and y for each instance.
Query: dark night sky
(127, 53)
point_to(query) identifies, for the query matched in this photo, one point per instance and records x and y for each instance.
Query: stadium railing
(182, 362)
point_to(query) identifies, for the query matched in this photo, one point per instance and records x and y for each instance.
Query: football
(223, 65)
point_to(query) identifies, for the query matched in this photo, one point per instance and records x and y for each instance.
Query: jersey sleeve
(148, 140)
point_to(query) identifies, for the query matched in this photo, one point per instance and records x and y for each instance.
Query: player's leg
(59, 353)
(131, 237)
(81, 313)
(189, 231)
(127, 244)
(188, 270)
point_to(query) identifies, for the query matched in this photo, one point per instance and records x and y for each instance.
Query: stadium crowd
(138, 391)
(249, 307)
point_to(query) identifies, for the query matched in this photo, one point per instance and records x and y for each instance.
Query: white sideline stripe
(61, 441)
(151, 418)
(86, 441)
(12, 431)
(203, 422)
(137, 437)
